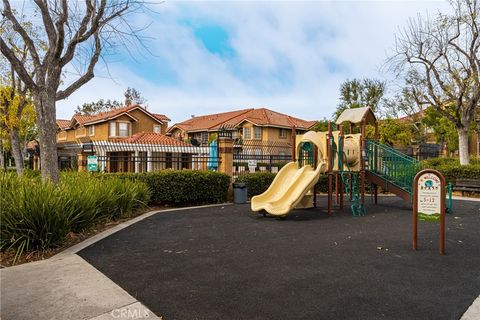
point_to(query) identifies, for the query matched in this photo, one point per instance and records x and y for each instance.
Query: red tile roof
(154, 138)
(413, 117)
(105, 116)
(209, 121)
(62, 123)
(267, 117)
(162, 117)
(260, 117)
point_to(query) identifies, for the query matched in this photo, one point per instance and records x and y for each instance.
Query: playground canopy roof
(357, 115)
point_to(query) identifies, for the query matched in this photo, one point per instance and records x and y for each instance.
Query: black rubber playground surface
(224, 263)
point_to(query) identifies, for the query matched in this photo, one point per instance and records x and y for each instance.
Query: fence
(247, 156)
(135, 157)
(258, 155)
(422, 151)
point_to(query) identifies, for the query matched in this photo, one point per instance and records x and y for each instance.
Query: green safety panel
(306, 154)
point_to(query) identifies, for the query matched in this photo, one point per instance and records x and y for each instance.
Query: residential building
(128, 139)
(247, 124)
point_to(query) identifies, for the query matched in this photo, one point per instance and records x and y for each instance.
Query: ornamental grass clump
(37, 215)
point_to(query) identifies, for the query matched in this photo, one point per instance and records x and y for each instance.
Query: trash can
(239, 192)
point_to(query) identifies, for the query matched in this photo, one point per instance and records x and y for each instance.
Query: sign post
(92, 163)
(429, 202)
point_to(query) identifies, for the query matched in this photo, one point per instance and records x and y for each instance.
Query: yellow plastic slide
(292, 182)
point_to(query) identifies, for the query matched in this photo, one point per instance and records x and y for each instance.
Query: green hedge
(452, 170)
(258, 182)
(37, 214)
(182, 187)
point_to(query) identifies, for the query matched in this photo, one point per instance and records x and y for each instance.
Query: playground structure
(351, 161)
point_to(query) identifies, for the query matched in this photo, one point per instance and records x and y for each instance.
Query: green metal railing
(392, 165)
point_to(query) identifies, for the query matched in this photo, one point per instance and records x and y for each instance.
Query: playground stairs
(390, 169)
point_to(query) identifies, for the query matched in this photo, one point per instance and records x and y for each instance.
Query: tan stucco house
(128, 139)
(248, 124)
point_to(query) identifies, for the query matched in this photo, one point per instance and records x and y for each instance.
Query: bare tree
(443, 55)
(73, 31)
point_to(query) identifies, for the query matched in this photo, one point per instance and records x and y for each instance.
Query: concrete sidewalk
(64, 288)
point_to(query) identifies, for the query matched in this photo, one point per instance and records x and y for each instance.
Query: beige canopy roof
(357, 115)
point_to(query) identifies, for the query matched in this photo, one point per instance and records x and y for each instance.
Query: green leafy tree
(132, 96)
(322, 125)
(443, 129)
(17, 123)
(17, 113)
(97, 107)
(394, 132)
(358, 93)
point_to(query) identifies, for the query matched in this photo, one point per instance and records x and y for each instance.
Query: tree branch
(88, 74)
(82, 33)
(7, 12)
(17, 65)
(47, 21)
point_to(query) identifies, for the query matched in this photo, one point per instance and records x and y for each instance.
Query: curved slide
(288, 188)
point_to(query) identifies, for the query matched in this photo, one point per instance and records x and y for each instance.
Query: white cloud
(289, 56)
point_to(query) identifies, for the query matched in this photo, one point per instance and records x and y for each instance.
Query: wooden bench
(467, 185)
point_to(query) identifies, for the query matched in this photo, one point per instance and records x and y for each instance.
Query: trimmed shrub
(322, 184)
(183, 187)
(452, 170)
(37, 214)
(257, 182)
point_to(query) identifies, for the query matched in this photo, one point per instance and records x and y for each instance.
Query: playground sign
(92, 163)
(429, 202)
(252, 165)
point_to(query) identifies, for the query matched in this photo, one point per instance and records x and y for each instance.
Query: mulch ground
(225, 263)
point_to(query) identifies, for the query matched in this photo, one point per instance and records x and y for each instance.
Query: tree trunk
(2, 157)
(46, 119)
(17, 151)
(463, 146)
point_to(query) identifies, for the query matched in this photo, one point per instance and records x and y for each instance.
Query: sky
(206, 57)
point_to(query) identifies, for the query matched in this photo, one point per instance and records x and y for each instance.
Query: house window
(157, 129)
(91, 130)
(283, 133)
(113, 129)
(62, 135)
(257, 133)
(80, 132)
(247, 133)
(204, 137)
(123, 129)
